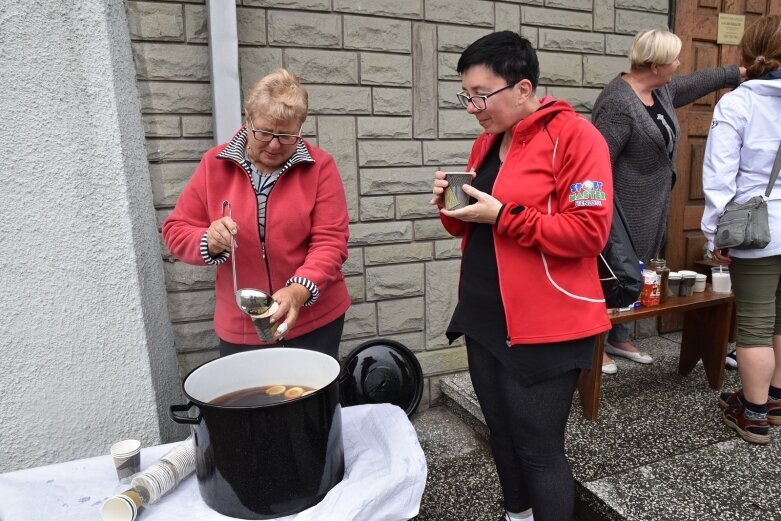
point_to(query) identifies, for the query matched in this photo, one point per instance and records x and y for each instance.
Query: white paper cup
(119, 508)
(127, 458)
(263, 325)
(687, 284)
(699, 284)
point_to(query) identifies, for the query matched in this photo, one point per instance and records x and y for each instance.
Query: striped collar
(236, 148)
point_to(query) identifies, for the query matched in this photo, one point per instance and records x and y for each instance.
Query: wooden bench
(706, 330)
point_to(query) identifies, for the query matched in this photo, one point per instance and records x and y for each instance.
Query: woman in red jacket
(530, 301)
(289, 221)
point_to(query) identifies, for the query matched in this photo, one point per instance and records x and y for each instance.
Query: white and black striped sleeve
(208, 259)
(308, 284)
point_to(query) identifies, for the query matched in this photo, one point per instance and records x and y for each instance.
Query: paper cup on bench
(699, 284)
(455, 197)
(673, 284)
(688, 278)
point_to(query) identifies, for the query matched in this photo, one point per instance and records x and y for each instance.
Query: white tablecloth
(385, 473)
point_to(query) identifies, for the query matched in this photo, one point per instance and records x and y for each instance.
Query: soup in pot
(258, 396)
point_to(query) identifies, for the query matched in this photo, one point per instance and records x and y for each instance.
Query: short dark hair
(506, 53)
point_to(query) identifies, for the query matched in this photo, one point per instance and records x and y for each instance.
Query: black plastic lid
(382, 371)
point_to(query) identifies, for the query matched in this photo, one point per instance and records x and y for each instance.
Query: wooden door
(696, 23)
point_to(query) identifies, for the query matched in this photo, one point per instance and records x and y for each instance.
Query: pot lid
(382, 371)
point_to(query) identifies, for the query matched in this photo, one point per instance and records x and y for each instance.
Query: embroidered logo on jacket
(587, 193)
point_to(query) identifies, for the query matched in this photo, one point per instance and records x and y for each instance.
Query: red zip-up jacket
(557, 193)
(306, 234)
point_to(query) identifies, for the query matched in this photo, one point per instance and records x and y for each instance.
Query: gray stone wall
(382, 83)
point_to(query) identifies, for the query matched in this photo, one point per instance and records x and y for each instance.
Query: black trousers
(526, 426)
(325, 340)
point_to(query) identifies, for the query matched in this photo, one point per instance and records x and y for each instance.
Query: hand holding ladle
(219, 235)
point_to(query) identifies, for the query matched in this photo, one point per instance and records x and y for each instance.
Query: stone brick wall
(382, 83)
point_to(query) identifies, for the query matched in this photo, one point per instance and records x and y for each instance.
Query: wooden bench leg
(705, 335)
(590, 382)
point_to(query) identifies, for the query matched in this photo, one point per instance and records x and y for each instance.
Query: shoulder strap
(774, 173)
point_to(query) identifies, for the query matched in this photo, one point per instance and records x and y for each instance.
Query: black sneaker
(731, 361)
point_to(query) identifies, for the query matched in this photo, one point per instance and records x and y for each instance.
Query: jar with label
(660, 267)
(650, 295)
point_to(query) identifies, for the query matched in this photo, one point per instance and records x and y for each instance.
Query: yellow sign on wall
(731, 28)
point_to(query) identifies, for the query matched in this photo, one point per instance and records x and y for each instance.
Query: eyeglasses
(267, 137)
(480, 102)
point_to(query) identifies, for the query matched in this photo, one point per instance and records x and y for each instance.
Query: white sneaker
(640, 358)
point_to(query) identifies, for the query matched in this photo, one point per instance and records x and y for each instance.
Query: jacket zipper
(260, 239)
(496, 253)
(263, 242)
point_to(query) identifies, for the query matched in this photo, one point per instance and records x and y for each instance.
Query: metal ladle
(253, 302)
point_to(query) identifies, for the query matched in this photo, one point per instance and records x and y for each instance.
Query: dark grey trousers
(526, 426)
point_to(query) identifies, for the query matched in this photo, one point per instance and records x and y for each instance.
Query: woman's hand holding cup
(218, 235)
(439, 189)
(290, 298)
(484, 210)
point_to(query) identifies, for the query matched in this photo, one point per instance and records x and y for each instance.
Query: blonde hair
(761, 46)
(278, 96)
(658, 46)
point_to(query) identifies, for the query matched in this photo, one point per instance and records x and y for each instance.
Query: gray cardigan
(642, 169)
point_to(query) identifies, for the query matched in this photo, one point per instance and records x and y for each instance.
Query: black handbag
(619, 267)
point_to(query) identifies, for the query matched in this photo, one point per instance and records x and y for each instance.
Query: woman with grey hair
(636, 115)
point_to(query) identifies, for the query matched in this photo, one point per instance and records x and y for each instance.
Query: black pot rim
(201, 403)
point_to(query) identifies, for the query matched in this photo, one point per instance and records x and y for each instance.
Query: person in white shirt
(742, 144)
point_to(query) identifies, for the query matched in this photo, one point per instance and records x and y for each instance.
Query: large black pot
(266, 461)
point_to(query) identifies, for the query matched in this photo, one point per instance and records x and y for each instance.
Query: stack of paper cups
(127, 458)
(164, 475)
(122, 507)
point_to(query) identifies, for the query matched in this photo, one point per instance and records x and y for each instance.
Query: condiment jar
(660, 267)
(651, 286)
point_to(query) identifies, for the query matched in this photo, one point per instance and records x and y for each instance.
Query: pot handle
(174, 409)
